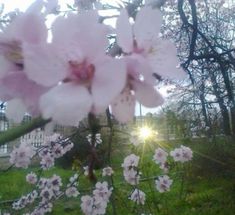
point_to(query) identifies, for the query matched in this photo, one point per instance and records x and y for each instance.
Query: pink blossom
(142, 40)
(138, 196)
(107, 171)
(31, 178)
(76, 67)
(160, 156)
(182, 154)
(163, 183)
(21, 156)
(14, 84)
(71, 192)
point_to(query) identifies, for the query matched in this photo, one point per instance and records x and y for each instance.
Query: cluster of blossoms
(50, 150)
(130, 169)
(21, 156)
(97, 203)
(71, 190)
(68, 75)
(25, 200)
(182, 154)
(53, 150)
(160, 158)
(47, 189)
(132, 176)
(138, 196)
(97, 139)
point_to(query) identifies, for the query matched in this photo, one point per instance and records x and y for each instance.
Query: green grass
(208, 187)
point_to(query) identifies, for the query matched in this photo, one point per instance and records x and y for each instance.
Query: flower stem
(19, 131)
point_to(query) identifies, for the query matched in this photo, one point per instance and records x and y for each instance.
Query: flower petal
(5, 66)
(28, 27)
(147, 26)
(108, 82)
(123, 108)
(147, 95)
(165, 61)
(124, 32)
(80, 33)
(17, 85)
(44, 65)
(15, 110)
(66, 104)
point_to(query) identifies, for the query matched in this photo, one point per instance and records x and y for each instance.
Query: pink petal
(124, 32)
(147, 94)
(80, 34)
(123, 108)
(147, 26)
(44, 65)
(108, 82)
(17, 85)
(164, 60)
(28, 27)
(66, 104)
(139, 66)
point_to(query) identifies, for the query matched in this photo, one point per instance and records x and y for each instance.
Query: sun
(145, 132)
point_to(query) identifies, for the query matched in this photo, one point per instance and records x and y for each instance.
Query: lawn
(205, 186)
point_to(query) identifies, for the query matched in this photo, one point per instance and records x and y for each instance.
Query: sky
(11, 5)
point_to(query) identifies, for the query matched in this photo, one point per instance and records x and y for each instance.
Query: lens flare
(145, 132)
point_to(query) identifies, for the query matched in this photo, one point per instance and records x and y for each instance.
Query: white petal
(44, 65)
(109, 80)
(28, 27)
(80, 34)
(123, 108)
(147, 26)
(35, 7)
(66, 104)
(164, 60)
(15, 110)
(142, 67)
(124, 32)
(147, 94)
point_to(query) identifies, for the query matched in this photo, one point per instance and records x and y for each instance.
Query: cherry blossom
(182, 154)
(107, 171)
(142, 39)
(138, 196)
(21, 156)
(16, 87)
(71, 192)
(163, 183)
(160, 156)
(77, 68)
(130, 171)
(31, 178)
(96, 204)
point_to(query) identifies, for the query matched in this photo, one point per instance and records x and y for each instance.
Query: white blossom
(107, 171)
(22, 155)
(31, 178)
(138, 196)
(163, 183)
(160, 156)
